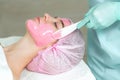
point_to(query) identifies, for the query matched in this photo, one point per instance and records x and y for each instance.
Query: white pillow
(80, 72)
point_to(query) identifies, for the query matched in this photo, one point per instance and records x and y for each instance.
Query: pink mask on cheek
(42, 34)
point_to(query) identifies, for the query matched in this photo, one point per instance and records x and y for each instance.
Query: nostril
(44, 17)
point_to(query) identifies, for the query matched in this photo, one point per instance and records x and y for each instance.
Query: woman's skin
(23, 51)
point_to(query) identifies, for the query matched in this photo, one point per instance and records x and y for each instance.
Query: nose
(46, 16)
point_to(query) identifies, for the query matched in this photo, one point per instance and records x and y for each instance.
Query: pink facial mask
(42, 34)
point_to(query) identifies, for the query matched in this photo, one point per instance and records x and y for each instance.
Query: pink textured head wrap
(61, 57)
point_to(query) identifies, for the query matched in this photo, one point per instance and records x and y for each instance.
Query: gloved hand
(103, 15)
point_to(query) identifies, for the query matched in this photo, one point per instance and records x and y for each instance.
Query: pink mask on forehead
(66, 21)
(42, 34)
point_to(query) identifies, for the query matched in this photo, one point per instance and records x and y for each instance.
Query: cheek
(42, 34)
(32, 27)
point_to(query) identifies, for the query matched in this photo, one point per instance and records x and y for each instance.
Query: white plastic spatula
(69, 29)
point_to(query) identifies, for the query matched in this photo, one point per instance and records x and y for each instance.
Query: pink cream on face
(41, 33)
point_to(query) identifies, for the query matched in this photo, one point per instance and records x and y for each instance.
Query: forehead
(66, 21)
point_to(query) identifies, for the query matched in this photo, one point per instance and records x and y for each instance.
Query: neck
(20, 54)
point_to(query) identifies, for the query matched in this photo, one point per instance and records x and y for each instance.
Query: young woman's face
(42, 28)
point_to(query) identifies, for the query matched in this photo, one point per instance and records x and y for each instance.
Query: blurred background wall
(14, 13)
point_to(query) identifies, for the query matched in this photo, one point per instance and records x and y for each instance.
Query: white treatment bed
(80, 72)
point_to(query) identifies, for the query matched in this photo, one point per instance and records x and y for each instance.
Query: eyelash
(55, 24)
(56, 17)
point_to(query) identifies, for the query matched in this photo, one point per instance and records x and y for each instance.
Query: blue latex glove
(103, 15)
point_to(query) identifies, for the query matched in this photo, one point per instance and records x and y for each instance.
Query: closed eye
(62, 23)
(55, 24)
